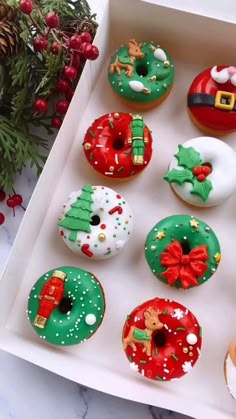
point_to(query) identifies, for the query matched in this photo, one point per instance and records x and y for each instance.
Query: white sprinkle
(96, 162)
(185, 238)
(108, 173)
(60, 321)
(198, 351)
(170, 330)
(167, 371)
(164, 365)
(35, 296)
(142, 372)
(165, 326)
(136, 319)
(165, 359)
(186, 311)
(57, 334)
(74, 279)
(99, 127)
(90, 301)
(116, 159)
(99, 145)
(62, 342)
(30, 311)
(84, 292)
(81, 298)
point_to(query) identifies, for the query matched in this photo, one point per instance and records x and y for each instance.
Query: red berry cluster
(201, 172)
(13, 201)
(78, 49)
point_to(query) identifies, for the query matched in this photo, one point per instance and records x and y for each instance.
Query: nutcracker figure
(137, 136)
(49, 298)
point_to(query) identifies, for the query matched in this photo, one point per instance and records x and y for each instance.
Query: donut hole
(118, 143)
(186, 249)
(208, 165)
(65, 305)
(160, 339)
(95, 220)
(142, 70)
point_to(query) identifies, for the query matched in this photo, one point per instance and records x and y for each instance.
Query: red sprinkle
(103, 226)
(118, 196)
(86, 251)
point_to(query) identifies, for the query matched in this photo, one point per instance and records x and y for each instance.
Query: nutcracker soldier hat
(136, 117)
(59, 274)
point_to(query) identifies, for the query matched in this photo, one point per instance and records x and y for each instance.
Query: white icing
(231, 375)
(223, 176)
(159, 54)
(220, 76)
(90, 319)
(118, 228)
(233, 79)
(191, 339)
(136, 85)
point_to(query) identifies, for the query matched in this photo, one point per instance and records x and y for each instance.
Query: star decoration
(217, 257)
(194, 223)
(160, 235)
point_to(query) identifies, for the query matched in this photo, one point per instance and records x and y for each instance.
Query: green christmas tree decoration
(188, 159)
(78, 218)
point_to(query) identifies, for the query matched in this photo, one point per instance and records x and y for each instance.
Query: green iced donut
(66, 306)
(142, 74)
(182, 251)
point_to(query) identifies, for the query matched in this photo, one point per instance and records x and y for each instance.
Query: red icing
(186, 268)
(86, 251)
(212, 118)
(170, 361)
(106, 155)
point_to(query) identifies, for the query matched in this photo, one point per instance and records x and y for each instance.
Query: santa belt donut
(222, 100)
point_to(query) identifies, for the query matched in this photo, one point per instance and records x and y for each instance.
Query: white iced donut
(203, 172)
(96, 222)
(230, 369)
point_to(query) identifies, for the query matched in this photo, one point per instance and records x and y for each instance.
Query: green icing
(188, 158)
(78, 218)
(141, 335)
(162, 77)
(70, 328)
(177, 227)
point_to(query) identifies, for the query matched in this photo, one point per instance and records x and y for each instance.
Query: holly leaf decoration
(179, 176)
(188, 157)
(202, 189)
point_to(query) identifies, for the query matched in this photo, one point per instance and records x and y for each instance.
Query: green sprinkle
(128, 317)
(91, 133)
(120, 169)
(132, 173)
(91, 156)
(127, 152)
(180, 329)
(114, 235)
(165, 311)
(156, 351)
(200, 332)
(111, 124)
(142, 361)
(159, 378)
(130, 359)
(174, 357)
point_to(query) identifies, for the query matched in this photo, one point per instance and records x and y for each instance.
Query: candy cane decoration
(116, 209)
(86, 251)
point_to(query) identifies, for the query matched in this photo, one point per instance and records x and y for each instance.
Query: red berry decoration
(2, 195)
(197, 170)
(40, 43)
(62, 86)
(41, 106)
(201, 177)
(70, 72)
(86, 37)
(52, 20)
(62, 106)
(2, 218)
(11, 202)
(26, 6)
(76, 61)
(206, 170)
(17, 200)
(75, 42)
(56, 122)
(91, 52)
(56, 48)
(69, 94)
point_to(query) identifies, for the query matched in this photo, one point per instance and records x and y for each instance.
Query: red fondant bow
(184, 267)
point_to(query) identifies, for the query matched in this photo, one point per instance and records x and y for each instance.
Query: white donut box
(195, 42)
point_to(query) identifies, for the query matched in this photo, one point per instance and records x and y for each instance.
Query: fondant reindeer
(144, 336)
(127, 63)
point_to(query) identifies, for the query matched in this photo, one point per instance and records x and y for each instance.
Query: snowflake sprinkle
(178, 314)
(133, 366)
(187, 366)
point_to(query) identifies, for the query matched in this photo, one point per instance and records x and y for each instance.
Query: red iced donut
(162, 339)
(211, 100)
(118, 145)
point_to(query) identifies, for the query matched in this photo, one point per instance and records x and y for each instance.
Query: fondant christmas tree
(193, 170)
(78, 218)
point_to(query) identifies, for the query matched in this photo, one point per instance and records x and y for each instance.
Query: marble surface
(29, 392)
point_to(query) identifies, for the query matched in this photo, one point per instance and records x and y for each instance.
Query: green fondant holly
(78, 218)
(192, 171)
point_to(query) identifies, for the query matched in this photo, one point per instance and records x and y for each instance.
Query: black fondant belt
(222, 100)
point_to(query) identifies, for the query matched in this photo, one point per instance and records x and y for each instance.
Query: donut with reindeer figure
(211, 100)
(182, 251)
(96, 222)
(141, 74)
(162, 339)
(118, 145)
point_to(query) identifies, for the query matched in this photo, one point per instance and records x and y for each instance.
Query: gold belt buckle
(224, 100)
